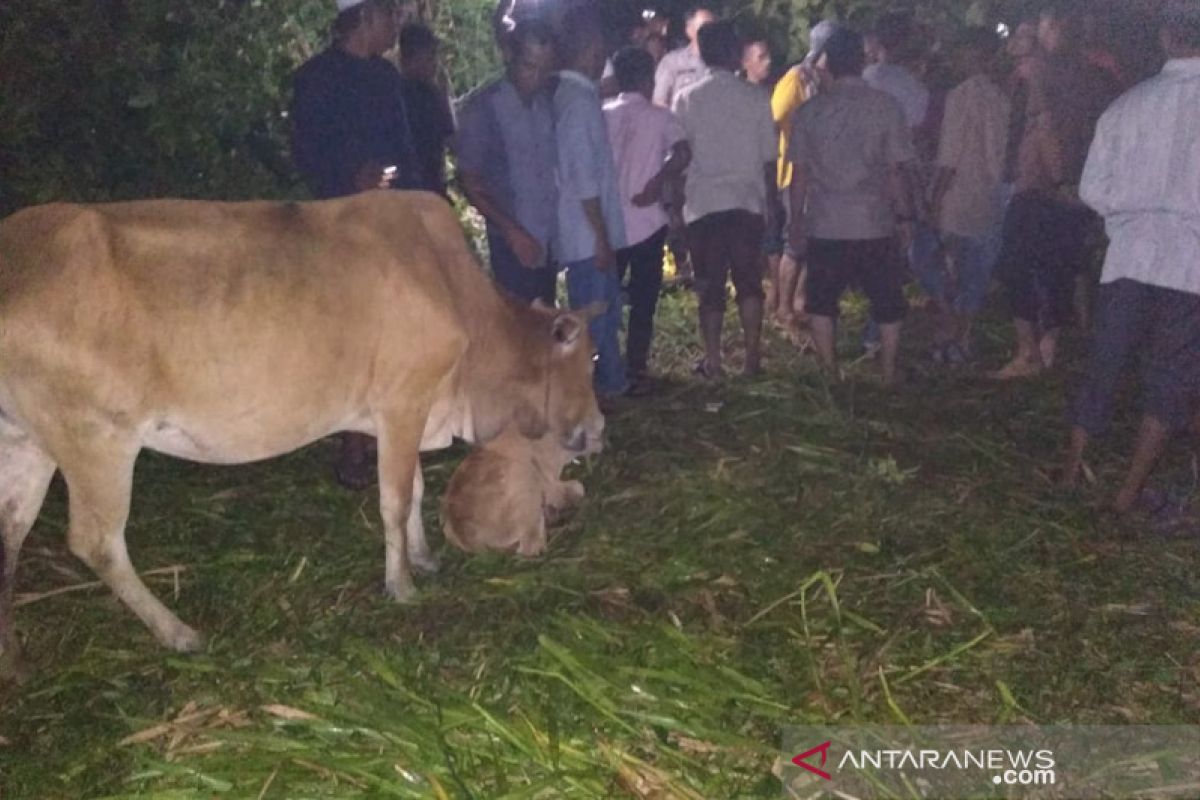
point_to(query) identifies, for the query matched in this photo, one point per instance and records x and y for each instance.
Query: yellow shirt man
(790, 93)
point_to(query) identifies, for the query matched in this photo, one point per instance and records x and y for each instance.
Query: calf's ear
(568, 326)
(566, 329)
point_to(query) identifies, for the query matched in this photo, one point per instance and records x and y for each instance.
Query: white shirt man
(1143, 176)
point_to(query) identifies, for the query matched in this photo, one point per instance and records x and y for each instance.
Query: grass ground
(751, 555)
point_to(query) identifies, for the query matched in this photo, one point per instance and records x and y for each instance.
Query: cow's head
(560, 401)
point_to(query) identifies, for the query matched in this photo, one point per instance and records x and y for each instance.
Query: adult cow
(233, 332)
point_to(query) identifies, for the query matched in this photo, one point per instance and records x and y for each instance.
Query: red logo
(823, 749)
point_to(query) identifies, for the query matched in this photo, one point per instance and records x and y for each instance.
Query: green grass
(751, 555)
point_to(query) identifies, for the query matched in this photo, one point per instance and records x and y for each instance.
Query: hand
(373, 175)
(526, 248)
(651, 193)
(606, 259)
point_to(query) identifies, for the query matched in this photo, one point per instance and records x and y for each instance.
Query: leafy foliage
(114, 100)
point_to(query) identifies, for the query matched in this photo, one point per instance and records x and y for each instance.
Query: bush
(117, 99)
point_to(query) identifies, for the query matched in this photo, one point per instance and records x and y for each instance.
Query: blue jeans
(586, 284)
(974, 258)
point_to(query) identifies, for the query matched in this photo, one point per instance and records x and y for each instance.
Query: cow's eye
(596, 357)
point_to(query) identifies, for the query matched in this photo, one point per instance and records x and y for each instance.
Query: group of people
(858, 167)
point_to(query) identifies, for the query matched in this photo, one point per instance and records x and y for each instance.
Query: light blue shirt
(585, 170)
(510, 143)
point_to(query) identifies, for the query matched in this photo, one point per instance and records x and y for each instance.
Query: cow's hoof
(426, 563)
(401, 592)
(185, 640)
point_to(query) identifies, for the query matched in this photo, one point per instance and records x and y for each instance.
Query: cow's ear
(567, 328)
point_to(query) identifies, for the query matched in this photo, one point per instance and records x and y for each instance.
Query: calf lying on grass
(501, 496)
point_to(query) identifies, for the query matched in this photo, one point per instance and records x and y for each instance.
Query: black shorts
(873, 265)
(724, 245)
(1045, 244)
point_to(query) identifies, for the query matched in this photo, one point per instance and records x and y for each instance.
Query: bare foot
(1015, 369)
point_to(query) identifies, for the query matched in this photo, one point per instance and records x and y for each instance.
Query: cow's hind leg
(99, 484)
(419, 554)
(25, 473)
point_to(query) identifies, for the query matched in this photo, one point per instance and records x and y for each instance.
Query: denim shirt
(510, 144)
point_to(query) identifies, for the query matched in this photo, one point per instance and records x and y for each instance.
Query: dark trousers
(1045, 244)
(522, 283)
(644, 264)
(1159, 326)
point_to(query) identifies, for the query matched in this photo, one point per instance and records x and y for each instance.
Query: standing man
(651, 151)
(850, 149)
(1045, 239)
(802, 82)
(428, 106)
(901, 49)
(682, 67)
(968, 186)
(506, 162)
(590, 226)
(350, 134)
(1143, 176)
(676, 70)
(730, 191)
(349, 123)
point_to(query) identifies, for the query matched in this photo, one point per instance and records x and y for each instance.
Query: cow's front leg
(418, 547)
(399, 466)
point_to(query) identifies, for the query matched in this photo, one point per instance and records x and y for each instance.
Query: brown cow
(232, 332)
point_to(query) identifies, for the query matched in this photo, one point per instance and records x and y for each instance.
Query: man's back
(973, 143)
(1066, 98)
(729, 125)
(1143, 175)
(847, 140)
(641, 135)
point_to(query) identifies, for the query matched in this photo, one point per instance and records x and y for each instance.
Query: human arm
(672, 170)
(1098, 188)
